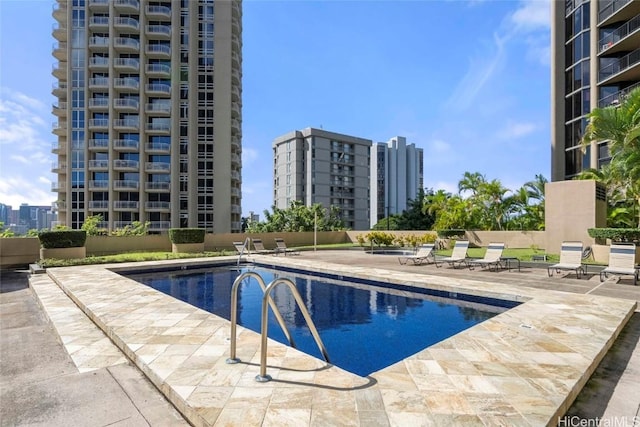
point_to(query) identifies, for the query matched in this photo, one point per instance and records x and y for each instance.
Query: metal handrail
(245, 245)
(234, 314)
(266, 298)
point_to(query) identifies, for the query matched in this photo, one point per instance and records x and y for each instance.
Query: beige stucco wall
(571, 208)
(512, 239)
(19, 251)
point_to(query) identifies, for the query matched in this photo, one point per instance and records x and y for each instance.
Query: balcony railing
(126, 123)
(99, 42)
(620, 65)
(159, 225)
(126, 185)
(99, 204)
(126, 103)
(126, 83)
(609, 8)
(130, 63)
(159, 88)
(98, 102)
(159, 11)
(620, 33)
(157, 205)
(158, 147)
(125, 164)
(158, 69)
(101, 82)
(127, 22)
(101, 184)
(151, 186)
(157, 167)
(99, 21)
(98, 164)
(126, 42)
(159, 49)
(163, 30)
(125, 204)
(98, 143)
(159, 127)
(130, 4)
(128, 144)
(58, 186)
(158, 107)
(98, 123)
(98, 62)
(615, 98)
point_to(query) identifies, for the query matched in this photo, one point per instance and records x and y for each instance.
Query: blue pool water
(365, 326)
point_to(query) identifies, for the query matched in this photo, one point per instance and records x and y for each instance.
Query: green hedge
(615, 234)
(62, 239)
(186, 235)
(452, 233)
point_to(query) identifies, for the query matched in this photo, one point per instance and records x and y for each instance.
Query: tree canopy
(298, 217)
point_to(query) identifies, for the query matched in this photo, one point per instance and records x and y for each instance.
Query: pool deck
(523, 367)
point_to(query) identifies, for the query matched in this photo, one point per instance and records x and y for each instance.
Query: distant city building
(595, 60)
(396, 177)
(5, 214)
(318, 166)
(148, 129)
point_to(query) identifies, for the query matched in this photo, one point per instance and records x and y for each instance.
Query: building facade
(148, 113)
(595, 54)
(317, 166)
(396, 177)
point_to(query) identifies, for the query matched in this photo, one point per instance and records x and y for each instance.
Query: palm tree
(620, 125)
(471, 181)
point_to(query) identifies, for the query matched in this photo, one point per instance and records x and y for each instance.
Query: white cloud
(532, 15)
(249, 155)
(439, 146)
(449, 187)
(16, 190)
(515, 130)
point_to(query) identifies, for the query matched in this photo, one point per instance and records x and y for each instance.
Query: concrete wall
(19, 251)
(512, 239)
(572, 207)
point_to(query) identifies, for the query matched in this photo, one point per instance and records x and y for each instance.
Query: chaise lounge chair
(259, 248)
(570, 259)
(458, 256)
(622, 261)
(424, 255)
(281, 248)
(491, 257)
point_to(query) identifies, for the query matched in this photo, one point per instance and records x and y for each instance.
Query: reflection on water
(364, 328)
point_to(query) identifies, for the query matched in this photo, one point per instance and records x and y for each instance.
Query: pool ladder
(245, 247)
(266, 299)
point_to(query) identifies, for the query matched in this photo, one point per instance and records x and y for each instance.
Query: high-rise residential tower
(149, 112)
(396, 177)
(595, 60)
(317, 166)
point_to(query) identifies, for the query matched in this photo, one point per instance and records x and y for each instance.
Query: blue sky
(467, 81)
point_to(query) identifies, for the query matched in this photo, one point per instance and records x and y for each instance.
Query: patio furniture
(622, 259)
(281, 248)
(259, 248)
(458, 256)
(424, 255)
(570, 259)
(492, 257)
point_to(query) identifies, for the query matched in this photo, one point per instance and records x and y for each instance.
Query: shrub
(453, 233)
(62, 239)
(186, 235)
(429, 238)
(361, 239)
(615, 234)
(380, 238)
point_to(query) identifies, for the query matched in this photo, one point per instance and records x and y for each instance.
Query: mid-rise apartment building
(317, 166)
(149, 112)
(595, 61)
(396, 177)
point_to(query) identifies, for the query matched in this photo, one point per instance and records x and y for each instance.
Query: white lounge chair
(570, 259)
(424, 255)
(259, 248)
(281, 248)
(622, 261)
(491, 257)
(458, 256)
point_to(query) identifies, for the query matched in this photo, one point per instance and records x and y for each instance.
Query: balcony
(126, 44)
(60, 205)
(126, 104)
(126, 185)
(613, 10)
(616, 97)
(59, 89)
(58, 186)
(236, 209)
(59, 167)
(99, 5)
(235, 175)
(158, 12)
(126, 165)
(98, 165)
(157, 128)
(99, 83)
(60, 109)
(158, 89)
(126, 23)
(98, 63)
(157, 206)
(126, 83)
(60, 12)
(160, 70)
(60, 51)
(60, 128)
(59, 32)
(158, 108)
(158, 148)
(126, 64)
(58, 147)
(236, 77)
(126, 124)
(99, 43)
(98, 103)
(59, 70)
(99, 144)
(98, 205)
(624, 39)
(99, 23)
(159, 31)
(159, 51)
(98, 124)
(126, 205)
(159, 225)
(127, 5)
(158, 187)
(126, 145)
(157, 167)
(100, 185)
(624, 69)
(235, 192)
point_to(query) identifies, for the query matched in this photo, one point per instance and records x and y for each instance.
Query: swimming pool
(365, 325)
